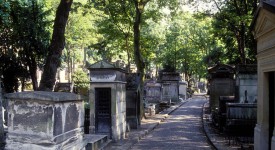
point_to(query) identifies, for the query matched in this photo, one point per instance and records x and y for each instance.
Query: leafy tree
(81, 81)
(80, 33)
(24, 41)
(56, 46)
(33, 42)
(231, 25)
(188, 41)
(125, 21)
(116, 26)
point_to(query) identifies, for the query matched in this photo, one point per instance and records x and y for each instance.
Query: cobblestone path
(182, 130)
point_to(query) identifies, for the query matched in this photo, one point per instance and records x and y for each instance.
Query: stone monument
(45, 120)
(107, 96)
(246, 83)
(170, 86)
(222, 83)
(133, 100)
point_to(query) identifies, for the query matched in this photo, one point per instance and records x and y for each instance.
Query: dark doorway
(271, 81)
(103, 111)
(87, 120)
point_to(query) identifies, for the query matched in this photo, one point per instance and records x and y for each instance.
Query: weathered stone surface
(58, 121)
(170, 86)
(44, 96)
(104, 75)
(263, 26)
(153, 92)
(44, 120)
(222, 83)
(183, 89)
(170, 91)
(246, 81)
(132, 100)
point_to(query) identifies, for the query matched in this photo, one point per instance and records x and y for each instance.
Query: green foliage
(23, 50)
(116, 28)
(231, 26)
(80, 79)
(81, 82)
(169, 37)
(4, 12)
(188, 40)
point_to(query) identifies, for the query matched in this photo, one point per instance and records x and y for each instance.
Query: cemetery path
(182, 130)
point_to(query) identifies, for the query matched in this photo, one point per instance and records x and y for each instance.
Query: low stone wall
(45, 120)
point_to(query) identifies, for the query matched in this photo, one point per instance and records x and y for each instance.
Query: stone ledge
(44, 96)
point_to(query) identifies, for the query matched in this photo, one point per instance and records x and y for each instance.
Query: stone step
(96, 141)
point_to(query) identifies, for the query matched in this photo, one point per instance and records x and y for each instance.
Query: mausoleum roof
(267, 5)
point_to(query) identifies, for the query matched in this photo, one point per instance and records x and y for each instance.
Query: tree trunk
(137, 54)
(128, 52)
(57, 45)
(33, 70)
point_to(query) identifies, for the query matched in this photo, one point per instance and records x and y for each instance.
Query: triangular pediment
(221, 68)
(264, 24)
(101, 64)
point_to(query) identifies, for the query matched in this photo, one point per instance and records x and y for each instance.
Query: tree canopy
(24, 40)
(152, 34)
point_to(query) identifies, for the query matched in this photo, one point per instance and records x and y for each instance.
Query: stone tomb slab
(44, 120)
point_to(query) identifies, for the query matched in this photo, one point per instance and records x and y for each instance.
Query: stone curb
(205, 128)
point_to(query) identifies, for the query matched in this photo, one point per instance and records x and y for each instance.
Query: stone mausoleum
(169, 86)
(222, 83)
(107, 96)
(263, 27)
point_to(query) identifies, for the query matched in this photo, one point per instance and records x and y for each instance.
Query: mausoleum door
(271, 106)
(103, 111)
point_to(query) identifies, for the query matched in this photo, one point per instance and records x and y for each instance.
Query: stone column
(45, 120)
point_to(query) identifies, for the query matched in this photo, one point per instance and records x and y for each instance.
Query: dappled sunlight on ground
(182, 129)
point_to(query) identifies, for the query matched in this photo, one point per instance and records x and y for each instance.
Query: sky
(199, 5)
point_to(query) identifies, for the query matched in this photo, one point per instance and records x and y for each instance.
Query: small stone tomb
(133, 100)
(107, 96)
(45, 120)
(170, 86)
(183, 90)
(246, 83)
(152, 92)
(222, 83)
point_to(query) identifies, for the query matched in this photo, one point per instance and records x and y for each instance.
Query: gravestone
(152, 92)
(107, 96)
(170, 86)
(183, 89)
(222, 83)
(246, 83)
(133, 100)
(45, 120)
